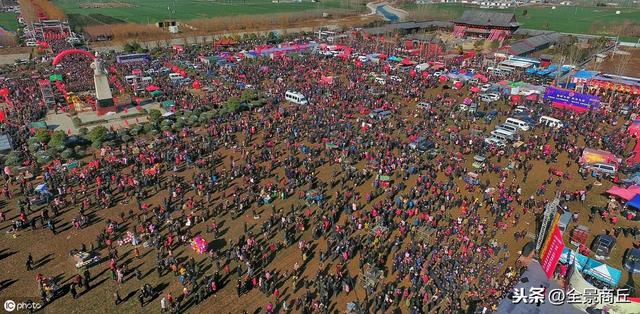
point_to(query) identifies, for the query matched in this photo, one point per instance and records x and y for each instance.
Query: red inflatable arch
(65, 53)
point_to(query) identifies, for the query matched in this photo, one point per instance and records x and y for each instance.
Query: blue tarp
(635, 202)
(584, 74)
(532, 70)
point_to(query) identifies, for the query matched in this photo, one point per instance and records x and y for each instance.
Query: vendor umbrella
(458, 84)
(442, 78)
(475, 89)
(152, 88)
(467, 101)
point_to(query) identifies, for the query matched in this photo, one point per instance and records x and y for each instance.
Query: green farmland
(149, 11)
(568, 19)
(8, 21)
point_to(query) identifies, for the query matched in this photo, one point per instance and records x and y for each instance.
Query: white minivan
(507, 127)
(551, 122)
(518, 123)
(295, 97)
(500, 133)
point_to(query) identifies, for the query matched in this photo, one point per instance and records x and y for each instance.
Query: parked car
(422, 144)
(423, 105)
(473, 108)
(478, 161)
(495, 141)
(490, 116)
(608, 170)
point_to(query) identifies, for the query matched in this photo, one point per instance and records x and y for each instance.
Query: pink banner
(551, 256)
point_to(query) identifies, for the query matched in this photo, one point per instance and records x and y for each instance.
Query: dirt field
(625, 63)
(51, 258)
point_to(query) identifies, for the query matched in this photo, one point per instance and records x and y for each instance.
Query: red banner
(552, 253)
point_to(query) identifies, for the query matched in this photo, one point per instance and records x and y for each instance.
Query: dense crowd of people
(362, 208)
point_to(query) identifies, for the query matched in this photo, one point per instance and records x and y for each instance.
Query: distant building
(5, 144)
(532, 44)
(485, 24)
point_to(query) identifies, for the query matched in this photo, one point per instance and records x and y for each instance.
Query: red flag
(126, 122)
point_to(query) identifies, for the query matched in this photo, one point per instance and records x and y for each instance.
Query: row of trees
(46, 145)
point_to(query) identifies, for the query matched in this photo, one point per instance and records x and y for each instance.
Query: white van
(605, 169)
(422, 67)
(518, 123)
(175, 76)
(381, 81)
(130, 79)
(551, 122)
(295, 97)
(500, 133)
(507, 127)
(499, 137)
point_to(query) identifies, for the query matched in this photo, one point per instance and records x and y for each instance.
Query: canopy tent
(156, 93)
(55, 77)
(481, 77)
(39, 125)
(602, 272)
(625, 194)
(634, 128)
(151, 88)
(591, 267)
(168, 104)
(635, 202)
(592, 156)
(395, 59)
(406, 61)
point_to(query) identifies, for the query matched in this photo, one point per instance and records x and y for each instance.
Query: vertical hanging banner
(551, 255)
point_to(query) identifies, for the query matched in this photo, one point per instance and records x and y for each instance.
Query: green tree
(58, 140)
(13, 158)
(154, 115)
(249, 95)
(97, 134)
(42, 135)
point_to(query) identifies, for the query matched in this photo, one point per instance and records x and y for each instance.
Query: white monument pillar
(101, 82)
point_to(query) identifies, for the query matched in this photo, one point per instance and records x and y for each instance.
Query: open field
(8, 21)
(149, 11)
(586, 20)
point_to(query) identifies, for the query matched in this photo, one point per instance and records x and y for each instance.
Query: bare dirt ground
(626, 63)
